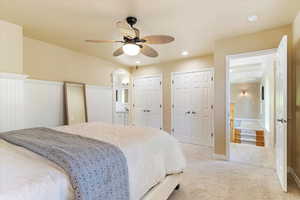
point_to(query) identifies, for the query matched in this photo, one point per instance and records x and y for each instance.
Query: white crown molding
(99, 87)
(294, 175)
(35, 81)
(219, 156)
(12, 76)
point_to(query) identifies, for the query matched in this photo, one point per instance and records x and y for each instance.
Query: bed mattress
(151, 155)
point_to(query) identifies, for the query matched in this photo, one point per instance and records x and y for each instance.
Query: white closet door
(154, 104)
(192, 111)
(181, 107)
(147, 101)
(201, 108)
(140, 102)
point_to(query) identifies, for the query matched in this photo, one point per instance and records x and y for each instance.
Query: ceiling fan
(132, 43)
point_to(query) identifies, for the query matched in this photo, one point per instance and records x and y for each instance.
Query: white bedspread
(151, 155)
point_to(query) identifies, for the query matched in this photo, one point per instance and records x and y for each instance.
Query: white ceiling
(250, 69)
(246, 73)
(195, 24)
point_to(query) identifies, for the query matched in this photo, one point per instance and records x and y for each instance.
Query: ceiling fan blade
(118, 52)
(126, 30)
(158, 39)
(102, 41)
(148, 51)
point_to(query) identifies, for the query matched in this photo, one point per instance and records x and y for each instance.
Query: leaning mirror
(75, 103)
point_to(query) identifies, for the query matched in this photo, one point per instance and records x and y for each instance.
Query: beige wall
(49, 62)
(11, 48)
(246, 43)
(166, 69)
(248, 105)
(296, 60)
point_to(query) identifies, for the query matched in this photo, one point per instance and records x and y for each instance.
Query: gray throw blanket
(97, 170)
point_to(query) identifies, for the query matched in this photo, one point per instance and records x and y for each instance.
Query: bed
(154, 158)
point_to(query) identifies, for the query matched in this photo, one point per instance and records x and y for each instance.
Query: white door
(139, 102)
(281, 113)
(192, 107)
(181, 107)
(147, 101)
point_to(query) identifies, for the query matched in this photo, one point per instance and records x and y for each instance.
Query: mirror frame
(66, 105)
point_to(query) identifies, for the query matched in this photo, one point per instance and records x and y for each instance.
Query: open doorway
(269, 128)
(252, 108)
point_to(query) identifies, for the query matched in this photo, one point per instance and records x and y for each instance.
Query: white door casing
(281, 113)
(147, 101)
(192, 103)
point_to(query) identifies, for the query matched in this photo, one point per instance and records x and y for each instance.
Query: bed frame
(164, 189)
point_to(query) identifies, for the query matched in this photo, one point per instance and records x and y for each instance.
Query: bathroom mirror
(122, 95)
(75, 103)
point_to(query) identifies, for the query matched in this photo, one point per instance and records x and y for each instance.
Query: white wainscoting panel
(11, 101)
(99, 103)
(43, 103)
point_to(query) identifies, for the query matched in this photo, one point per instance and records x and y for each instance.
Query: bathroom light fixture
(244, 93)
(185, 53)
(131, 49)
(137, 62)
(252, 18)
(125, 81)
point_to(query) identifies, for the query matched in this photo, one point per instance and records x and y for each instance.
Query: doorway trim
(160, 75)
(227, 85)
(212, 98)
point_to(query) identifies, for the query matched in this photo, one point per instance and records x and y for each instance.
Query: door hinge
(173, 106)
(172, 129)
(212, 107)
(133, 85)
(172, 81)
(160, 82)
(160, 128)
(133, 105)
(212, 78)
(212, 134)
(160, 105)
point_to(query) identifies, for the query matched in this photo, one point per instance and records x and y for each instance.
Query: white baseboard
(219, 157)
(294, 175)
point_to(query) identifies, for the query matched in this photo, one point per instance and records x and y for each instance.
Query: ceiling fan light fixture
(184, 53)
(131, 49)
(252, 18)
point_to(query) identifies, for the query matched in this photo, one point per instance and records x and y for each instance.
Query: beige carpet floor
(251, 154)
(209, 179)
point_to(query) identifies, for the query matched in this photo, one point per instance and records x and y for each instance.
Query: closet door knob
(282, 120)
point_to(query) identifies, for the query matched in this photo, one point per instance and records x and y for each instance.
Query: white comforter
(151, 155)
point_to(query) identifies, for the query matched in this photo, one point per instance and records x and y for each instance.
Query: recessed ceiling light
(185, 53)
(253, 18)
(138, 62)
